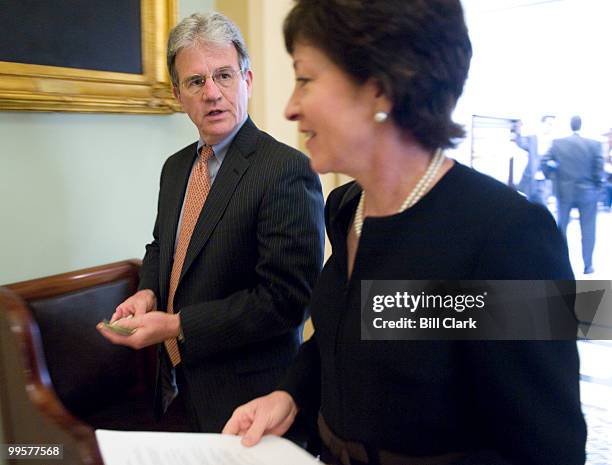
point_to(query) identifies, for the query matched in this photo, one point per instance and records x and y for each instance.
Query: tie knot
(206, 153)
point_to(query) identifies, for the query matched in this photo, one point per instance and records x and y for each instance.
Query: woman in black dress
(376, 83)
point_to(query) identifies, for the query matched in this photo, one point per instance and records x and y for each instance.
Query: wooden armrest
(37, 381)
(25, 330)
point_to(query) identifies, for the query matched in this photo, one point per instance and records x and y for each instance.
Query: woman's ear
(381, 100)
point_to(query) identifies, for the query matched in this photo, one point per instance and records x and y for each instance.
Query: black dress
(510, 401)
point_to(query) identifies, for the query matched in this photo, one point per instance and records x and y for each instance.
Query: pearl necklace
(414, 196)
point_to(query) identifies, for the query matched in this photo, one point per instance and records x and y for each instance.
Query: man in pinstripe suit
(255, 251)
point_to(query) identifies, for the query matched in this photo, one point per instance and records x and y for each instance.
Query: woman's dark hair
(417, 50)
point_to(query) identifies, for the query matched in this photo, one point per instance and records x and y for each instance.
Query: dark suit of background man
(256, 249)
(577, 167)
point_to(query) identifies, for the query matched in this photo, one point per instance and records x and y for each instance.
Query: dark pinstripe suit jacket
(254, 256)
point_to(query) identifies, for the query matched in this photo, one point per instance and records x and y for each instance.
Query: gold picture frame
(31, 87)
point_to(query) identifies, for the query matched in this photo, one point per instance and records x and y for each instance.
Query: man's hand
(271, 414)
(150, 328)
(138, 304)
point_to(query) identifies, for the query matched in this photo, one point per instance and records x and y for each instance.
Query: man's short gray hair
(207, 28)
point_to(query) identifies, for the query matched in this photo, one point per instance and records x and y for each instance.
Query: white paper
(152, 448)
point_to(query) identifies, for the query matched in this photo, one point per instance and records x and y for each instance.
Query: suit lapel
(176, 192)
(232, 170)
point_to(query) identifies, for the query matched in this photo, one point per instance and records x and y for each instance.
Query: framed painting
(86, 55)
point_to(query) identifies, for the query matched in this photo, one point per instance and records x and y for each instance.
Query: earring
(381, 116)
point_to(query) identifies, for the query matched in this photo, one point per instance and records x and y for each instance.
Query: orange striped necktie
(197, 191)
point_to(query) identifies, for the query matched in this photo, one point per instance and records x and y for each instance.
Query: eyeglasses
(223, 77)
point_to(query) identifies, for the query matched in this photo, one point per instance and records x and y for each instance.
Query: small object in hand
(117, 328)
